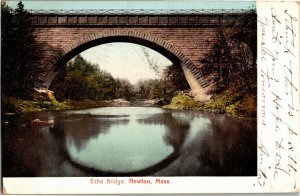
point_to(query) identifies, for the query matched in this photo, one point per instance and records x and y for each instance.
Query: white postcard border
(278, 131)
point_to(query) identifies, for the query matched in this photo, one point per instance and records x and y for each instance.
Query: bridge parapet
(129, 20)
(174, 18)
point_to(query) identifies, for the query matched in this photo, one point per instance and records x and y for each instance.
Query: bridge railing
(137, 11)
(135, 18)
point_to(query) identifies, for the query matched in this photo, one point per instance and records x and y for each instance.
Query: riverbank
(234, 102)
(48, 102)
(11, 105)
(15, 105)
(242, 106)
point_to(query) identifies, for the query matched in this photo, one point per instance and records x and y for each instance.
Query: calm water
(129, 141)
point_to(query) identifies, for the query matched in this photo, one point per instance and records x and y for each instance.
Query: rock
(41, 95)
(120, 102)
(160, 102)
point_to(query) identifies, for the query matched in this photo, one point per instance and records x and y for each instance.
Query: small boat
(38, 122)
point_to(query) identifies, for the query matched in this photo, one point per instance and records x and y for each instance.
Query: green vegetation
(11, 105)
(166, 87)
(231, 67)
(184, 102)
(232, 59)
(80, 80)
(235, 101)
(15, 105)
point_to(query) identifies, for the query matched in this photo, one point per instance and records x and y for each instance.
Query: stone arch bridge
(183, 36)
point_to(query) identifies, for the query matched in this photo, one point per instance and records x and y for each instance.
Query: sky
(125, 60)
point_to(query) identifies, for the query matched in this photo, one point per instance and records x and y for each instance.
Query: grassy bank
(233, 104)
(183, 102)
(12, 105)
(235, 101)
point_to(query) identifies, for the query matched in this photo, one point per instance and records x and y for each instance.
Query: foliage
(233, 57)
(235, 101)
(15, 105)
(150, 89)
(81, 80)
(182, 101)
(17, 51)
(231, 66)
(174, 80)
(124, 89)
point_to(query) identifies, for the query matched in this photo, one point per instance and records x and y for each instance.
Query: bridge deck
(175, 18)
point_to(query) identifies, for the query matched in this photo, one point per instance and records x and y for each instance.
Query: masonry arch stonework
(193, 75)
(183, 36)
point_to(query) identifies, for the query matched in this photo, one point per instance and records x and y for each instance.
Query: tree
(17, 51)
(80, 80)
(124, 89)
(156, 89)
(174, 80)
(166, 87)
(233, 57)
(142, 89)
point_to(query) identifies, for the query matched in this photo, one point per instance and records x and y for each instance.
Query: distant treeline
(80, 80)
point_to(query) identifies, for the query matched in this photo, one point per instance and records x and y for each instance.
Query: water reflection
(130, 145)
(177, 129)
(129, 141)
(81, 128)
(224, 146)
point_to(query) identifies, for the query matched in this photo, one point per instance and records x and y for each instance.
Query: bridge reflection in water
(131, 141)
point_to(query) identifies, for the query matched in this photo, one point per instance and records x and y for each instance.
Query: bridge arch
(192, 74)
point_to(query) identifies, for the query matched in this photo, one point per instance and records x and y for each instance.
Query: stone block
(113, 20)
(152, 19)
(82, 19)
(193, 19)
(92, 19)
(123, 19)
(143, 19)
(62, 19)
(132, 19)
(182, 19)
(102, 19)
(42, 19)
(163, 20)
(52, 19)
(72, 19)
(173, 20)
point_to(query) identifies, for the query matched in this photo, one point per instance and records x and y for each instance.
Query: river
(128, 141)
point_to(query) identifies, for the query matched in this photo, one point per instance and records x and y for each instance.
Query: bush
(181, 101)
